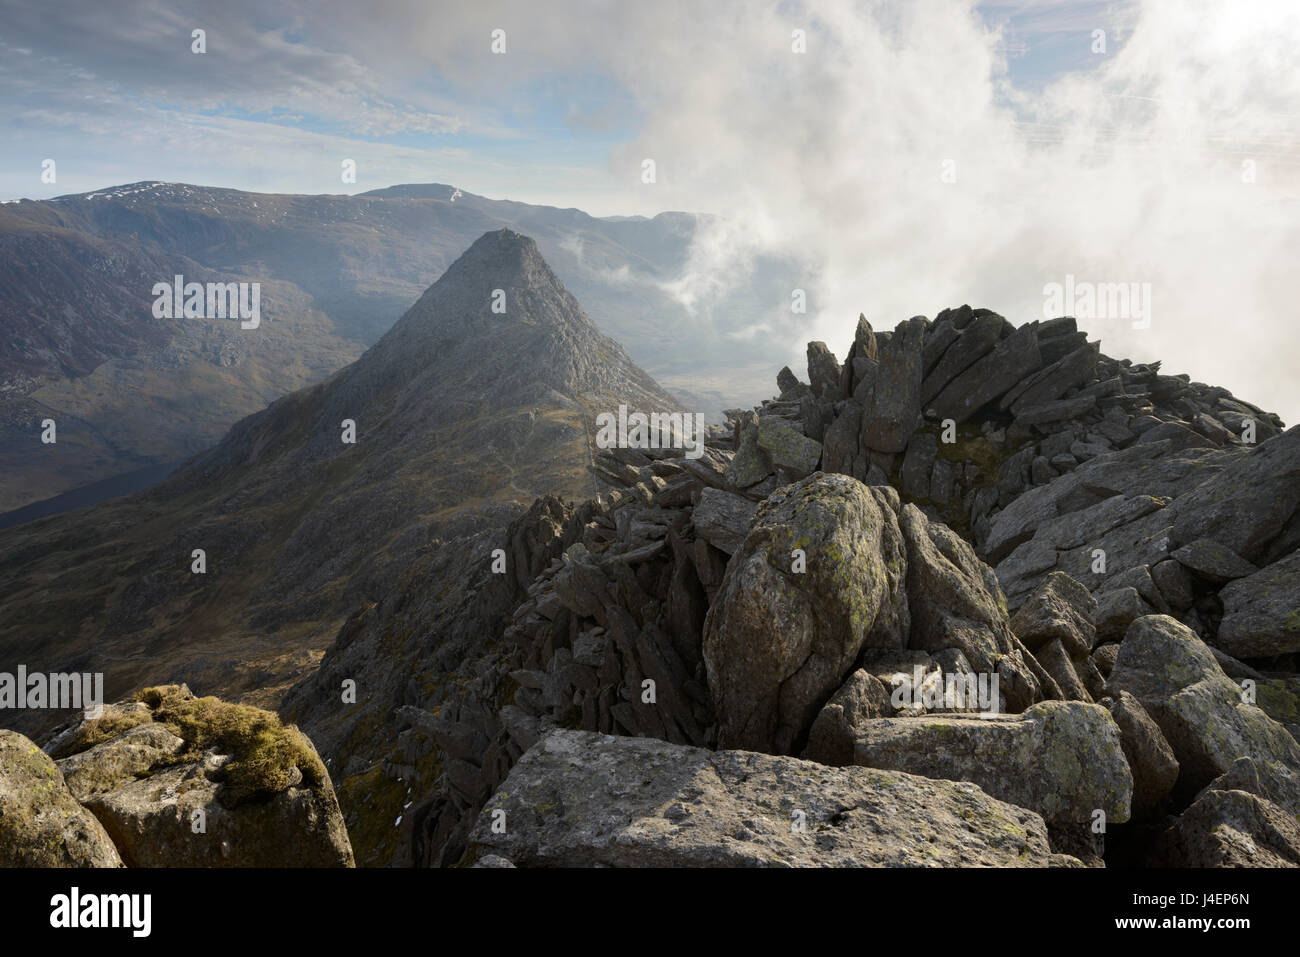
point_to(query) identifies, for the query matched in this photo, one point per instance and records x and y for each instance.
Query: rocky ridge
(809, 585)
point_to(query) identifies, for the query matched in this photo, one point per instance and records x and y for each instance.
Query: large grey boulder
(1228, 828)
(1261, 613)
(578, 799)
(1213, 561)
(1061, 608)
(778, 641)
(1200, 710)
(787, 448)
(41, 823)
(1270, 780)
(1062, 759)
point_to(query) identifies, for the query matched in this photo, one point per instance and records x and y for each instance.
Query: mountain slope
(462, 415)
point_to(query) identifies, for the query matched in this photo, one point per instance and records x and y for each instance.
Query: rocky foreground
(957, 499)
(169, 780)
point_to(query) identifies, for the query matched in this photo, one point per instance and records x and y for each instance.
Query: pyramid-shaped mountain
(481, 398)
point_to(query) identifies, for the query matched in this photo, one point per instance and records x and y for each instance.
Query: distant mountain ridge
(79, 343)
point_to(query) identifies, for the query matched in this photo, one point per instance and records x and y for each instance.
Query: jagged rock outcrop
(581, 800)
(747, 597)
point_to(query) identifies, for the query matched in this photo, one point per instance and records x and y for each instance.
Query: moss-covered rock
(178, 780)
(41, 823)
(783, 634)
(1202, 712)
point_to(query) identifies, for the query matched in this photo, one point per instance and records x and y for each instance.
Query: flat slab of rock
(578, 799)
(722, 518)
(1261, 613)
(1213, 561)
(1062, 759)
(152, 821)
(1056, 410)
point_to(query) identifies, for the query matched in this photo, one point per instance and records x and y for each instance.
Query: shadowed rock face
(686, 577)
(581, 800)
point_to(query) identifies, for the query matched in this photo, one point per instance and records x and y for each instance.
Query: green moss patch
(263, 751)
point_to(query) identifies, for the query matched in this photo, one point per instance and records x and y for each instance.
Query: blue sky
(113, 92)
